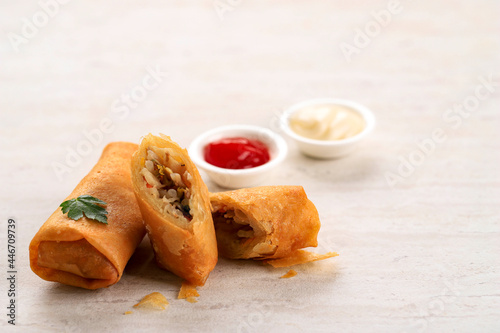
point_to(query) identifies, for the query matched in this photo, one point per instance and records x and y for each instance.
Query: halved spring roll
(86, 253)
(265, 222)
(175, 205)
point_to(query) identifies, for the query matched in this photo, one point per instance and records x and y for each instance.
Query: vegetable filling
(169, 182)
(239, 231)
(241, 237)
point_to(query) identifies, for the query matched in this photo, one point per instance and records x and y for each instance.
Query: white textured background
(422, 255)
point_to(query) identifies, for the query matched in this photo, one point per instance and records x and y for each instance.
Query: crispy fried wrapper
(265, 222)
(299, 257)
(86, 253)
(175, 205)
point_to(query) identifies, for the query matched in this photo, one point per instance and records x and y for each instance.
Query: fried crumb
(291, 273)
(127, 312)
(188, 292)
(191, 299)
(153, 301)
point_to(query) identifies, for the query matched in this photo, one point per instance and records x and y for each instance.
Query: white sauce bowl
(238, 178)
(322, 148)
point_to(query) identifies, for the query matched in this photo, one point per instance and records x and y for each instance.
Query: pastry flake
(300, 257)
(153, 301)
(188, 292)
(289, 274)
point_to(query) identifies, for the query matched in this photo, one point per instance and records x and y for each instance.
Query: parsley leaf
(85, 204)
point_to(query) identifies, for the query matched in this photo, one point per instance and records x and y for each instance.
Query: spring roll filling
(167, 179)
(240, 235)
(237, 230)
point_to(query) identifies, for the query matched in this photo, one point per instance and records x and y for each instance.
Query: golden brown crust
(78, 257)
(188, 250)
(113, 244)
(282, 217)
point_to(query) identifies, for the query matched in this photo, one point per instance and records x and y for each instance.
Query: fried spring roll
(175, 205)
(265, 222)
(86, 253)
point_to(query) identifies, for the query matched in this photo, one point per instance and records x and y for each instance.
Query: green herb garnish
(85, 204)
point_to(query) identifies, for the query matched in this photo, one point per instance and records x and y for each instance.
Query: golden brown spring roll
(86, 253)
(265, 222)
(175, 205)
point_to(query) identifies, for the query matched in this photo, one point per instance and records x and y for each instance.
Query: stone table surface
(414, 213)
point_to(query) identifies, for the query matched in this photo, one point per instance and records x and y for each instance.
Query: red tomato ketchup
(236, 153)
